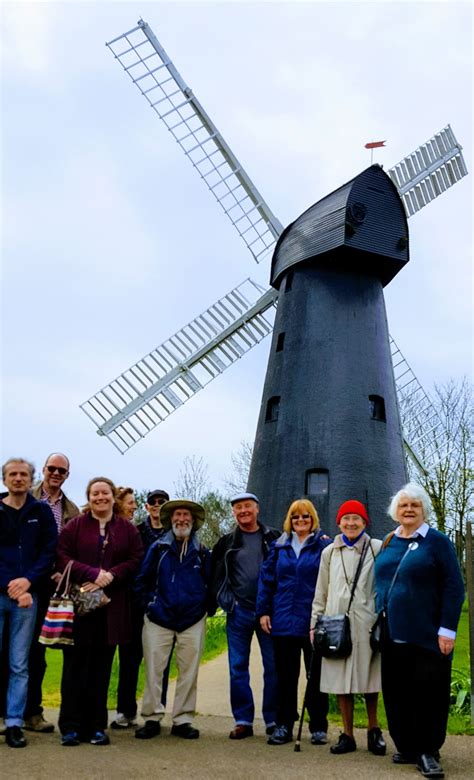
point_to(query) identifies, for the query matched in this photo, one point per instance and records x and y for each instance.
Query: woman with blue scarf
(352, 550)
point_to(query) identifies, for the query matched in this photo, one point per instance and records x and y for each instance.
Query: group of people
(161, 584)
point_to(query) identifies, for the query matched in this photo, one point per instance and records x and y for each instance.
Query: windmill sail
(429, 170)
(138, 400)
(153, 73)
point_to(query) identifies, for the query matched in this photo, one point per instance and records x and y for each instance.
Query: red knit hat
(352, 507)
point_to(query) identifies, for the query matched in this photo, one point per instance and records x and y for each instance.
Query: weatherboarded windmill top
(361, 225)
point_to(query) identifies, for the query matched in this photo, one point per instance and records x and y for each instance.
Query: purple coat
(121, 555)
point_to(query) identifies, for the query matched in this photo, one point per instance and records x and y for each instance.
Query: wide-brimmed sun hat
(198, 512)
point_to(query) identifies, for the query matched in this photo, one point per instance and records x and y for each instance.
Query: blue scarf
(352, 542)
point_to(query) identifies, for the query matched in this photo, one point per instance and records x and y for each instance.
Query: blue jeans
(241, 625)
(21, 627)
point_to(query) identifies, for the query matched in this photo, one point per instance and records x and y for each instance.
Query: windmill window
(317, 482)
(273, 408)
(377, 408)
(280, 342)
(289, 281)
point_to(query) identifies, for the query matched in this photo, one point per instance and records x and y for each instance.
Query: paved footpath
(214, 756)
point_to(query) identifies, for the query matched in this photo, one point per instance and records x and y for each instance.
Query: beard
(182, 532)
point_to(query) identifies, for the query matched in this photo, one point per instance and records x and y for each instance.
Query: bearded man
(173, 589)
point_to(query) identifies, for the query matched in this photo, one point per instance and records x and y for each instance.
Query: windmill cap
(243, 497)
(198, 512)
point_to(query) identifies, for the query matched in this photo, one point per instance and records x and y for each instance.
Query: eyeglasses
(60, 469)
(300, 517)
(159, 501)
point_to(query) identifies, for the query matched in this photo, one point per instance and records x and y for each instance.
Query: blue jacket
(287, 583)
(174, 593)
(27, 547)
(428, 592)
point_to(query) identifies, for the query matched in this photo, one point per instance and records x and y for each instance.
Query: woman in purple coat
(106, 551)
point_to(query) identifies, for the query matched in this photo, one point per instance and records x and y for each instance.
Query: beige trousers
(157, 646)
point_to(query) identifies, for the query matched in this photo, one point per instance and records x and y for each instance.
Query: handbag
(332, 633)
(332, 636)
(88, 601)
(57, 627)
(379, 632)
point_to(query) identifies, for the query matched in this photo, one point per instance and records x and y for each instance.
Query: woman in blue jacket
(285, 594)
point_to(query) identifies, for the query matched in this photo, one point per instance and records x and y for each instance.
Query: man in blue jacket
(173, 588)
(28, 537)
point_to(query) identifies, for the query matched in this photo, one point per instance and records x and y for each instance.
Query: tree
(442, 432)
(193, 484)
(241, 461)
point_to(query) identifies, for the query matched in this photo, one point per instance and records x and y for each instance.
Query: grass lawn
(215, 644)
(459, 723)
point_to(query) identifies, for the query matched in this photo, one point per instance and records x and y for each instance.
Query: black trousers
(288, 662)
(416, 689)
(85, 680)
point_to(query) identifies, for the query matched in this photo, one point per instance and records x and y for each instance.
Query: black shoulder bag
(332, 633)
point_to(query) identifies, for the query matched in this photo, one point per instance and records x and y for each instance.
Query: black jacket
(221, 560)
(27, 547)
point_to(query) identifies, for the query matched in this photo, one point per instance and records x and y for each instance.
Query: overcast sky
(111, 242)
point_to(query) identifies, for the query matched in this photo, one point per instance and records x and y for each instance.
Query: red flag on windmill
(374, 144)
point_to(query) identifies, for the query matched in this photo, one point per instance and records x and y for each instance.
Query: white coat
(360, 672)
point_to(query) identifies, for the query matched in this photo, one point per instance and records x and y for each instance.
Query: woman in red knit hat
(352, 552)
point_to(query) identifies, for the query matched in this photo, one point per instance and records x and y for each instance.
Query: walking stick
(308, 680)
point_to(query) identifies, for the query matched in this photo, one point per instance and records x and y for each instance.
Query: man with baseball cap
(173, 587)
(236, 561)
(151, 528)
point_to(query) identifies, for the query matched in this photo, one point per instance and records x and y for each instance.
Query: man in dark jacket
(236, 561)
(151, 528)
(28, 536)
(173, 588)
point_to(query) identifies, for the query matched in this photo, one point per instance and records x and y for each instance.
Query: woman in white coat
(360, 672)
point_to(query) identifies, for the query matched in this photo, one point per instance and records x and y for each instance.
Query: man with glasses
(151, 528)
(236, 561)
(49, 490)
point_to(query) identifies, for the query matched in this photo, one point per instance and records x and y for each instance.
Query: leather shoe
(375, 742)
(241, 731)
(100, 738)
(429, 766)
(14, 737)
(345, 744)
(38, 723)
(151, 729)
(280, 736)
(185, 731)
(70, 739)
(402, 758)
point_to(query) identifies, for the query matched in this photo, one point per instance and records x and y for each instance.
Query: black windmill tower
(329, 425)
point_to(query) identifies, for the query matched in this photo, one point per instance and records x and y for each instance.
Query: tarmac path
(214, 756)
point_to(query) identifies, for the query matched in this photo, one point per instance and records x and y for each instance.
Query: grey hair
(31, 466)
(414, 491)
